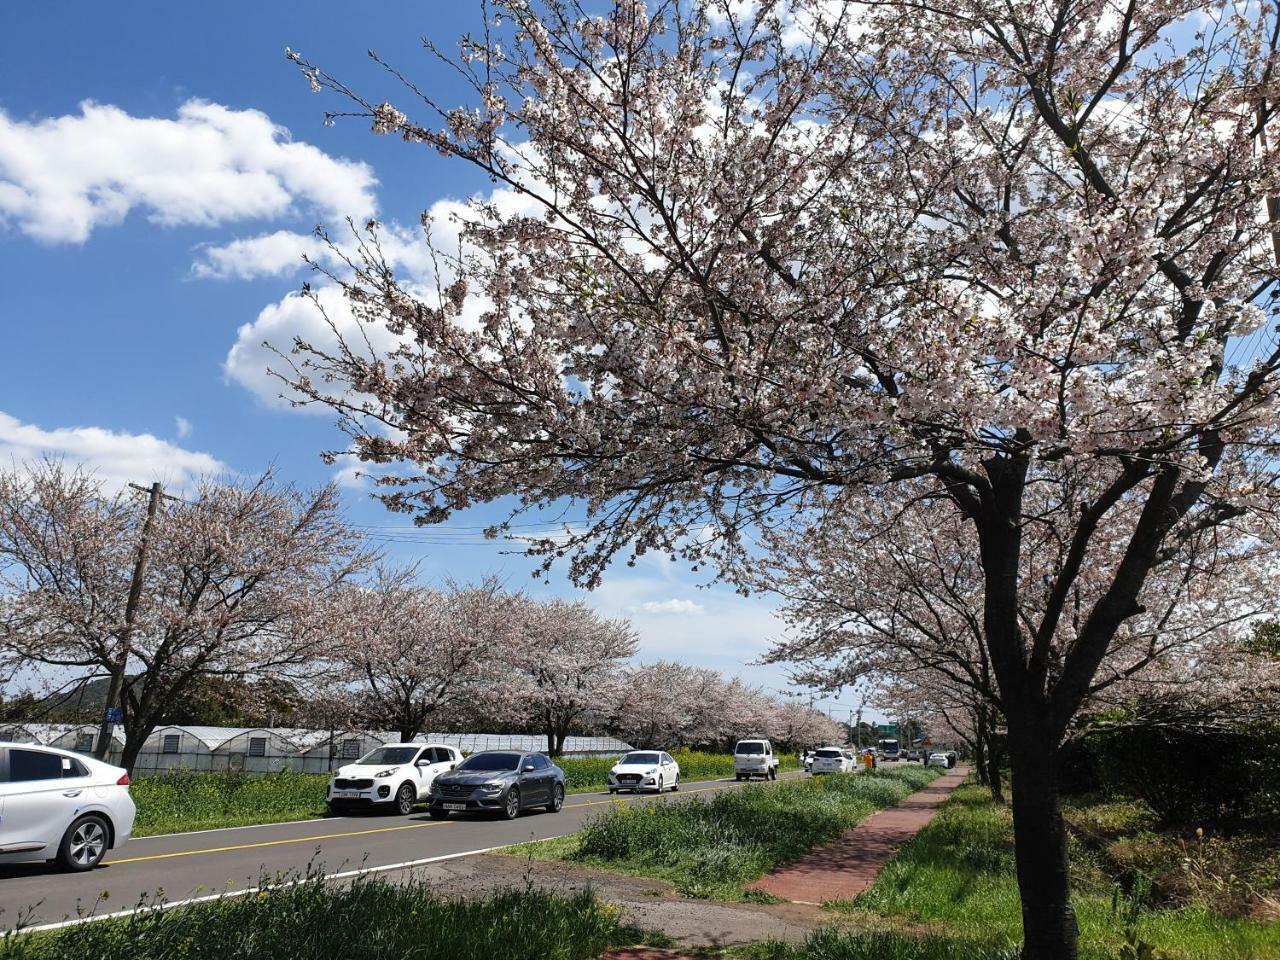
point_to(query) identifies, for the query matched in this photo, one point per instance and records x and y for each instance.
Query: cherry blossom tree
(756, 263)
(674, 704)
(563, 669)
(668, 704)
(234, 587)
(413, 653)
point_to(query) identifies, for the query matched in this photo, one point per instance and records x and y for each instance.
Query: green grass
(710, 847)
(178, 801)
(957, 876)
(830, 944)
(186, 800)
(369, 920)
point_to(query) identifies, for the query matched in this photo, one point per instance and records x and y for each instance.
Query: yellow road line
(351, 833)
(274, 843)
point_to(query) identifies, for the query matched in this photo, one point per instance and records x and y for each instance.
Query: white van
(752, 758)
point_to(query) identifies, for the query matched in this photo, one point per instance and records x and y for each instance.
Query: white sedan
(394, 776)
(62, 807)
(830, 760)
(645, 770)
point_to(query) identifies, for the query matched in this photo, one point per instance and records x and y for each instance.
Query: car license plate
(346, 794)
(454, 806)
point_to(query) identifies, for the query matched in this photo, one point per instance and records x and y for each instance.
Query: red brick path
(843, 869)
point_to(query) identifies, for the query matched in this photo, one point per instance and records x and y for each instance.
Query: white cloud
(280, 254)
(183, 427)
(673, 606)
(62, 177)
(250, 361)
(117, 458)
(266, 255)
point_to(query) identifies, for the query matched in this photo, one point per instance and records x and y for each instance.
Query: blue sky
(150, 238)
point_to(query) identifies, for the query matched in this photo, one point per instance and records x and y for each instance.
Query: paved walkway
(843, 869)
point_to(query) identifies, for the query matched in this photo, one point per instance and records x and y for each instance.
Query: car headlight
(385, 773)
(491, 788)
(650, 773)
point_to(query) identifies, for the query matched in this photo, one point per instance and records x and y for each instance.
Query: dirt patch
(643, 901)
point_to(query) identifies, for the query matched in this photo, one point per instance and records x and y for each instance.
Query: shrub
(1151, 757)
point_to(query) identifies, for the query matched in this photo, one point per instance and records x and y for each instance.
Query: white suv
(830, 760)
(60, 806)
(754, 758)
(394, 776)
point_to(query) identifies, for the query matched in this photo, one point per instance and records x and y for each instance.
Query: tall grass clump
(369, 919)
(710, 847)
(189, 800)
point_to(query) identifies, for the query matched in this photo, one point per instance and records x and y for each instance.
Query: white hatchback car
(394, 776)
(830, 760)
(645, 770)
(60, 806)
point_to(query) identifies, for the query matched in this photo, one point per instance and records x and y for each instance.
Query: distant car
(939, 760)
(830, 760)
(645, 770)
(392, 777)
(61, 807)
(754, 758)
(913, 756)
(498, 781)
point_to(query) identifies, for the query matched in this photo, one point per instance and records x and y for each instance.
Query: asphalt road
(186, 866)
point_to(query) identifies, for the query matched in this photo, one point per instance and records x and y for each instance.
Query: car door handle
(71, 793)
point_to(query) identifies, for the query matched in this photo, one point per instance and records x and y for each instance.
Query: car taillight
(123, 781)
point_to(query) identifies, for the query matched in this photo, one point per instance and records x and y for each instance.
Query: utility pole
(858, 728)
(111, 707)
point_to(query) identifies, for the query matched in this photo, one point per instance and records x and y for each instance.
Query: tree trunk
(132, 747)
(980, 749)
(993, 773)
(1048, 919)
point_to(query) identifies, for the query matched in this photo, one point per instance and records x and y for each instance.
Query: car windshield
(387, 755)
(491, 761)
(750, 746)
(640, 758)
(829, 754)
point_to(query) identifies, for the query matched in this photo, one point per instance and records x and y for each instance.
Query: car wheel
(511, 809)
(773, 773)
(659, 783)
(737, 777)
(405, 798)
(676, 786)
(557, 799)
(436, 813)
(84, 844)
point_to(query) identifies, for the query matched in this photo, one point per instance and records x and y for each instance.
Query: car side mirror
(529, 768)
(424, 763)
